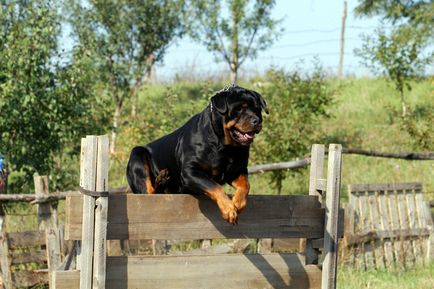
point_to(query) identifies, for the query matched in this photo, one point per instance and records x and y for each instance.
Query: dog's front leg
(242, 186)
(197, 181)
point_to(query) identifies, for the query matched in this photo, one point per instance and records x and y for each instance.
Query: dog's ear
(219, 102)
(261, 101)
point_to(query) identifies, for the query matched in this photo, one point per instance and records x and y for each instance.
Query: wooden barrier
(97, 219)
(388, 225)
(42, 246)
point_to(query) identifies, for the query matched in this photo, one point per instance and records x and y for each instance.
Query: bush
(297, 102)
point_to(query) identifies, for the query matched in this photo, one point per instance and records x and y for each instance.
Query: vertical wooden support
(48, 222)
(331, 219)
(88, 182)
(99, 262)
(316, 174)
(44, 211)
(5, 261)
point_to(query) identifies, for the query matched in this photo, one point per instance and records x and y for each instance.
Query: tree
(401, 53)
(125, 38)
(300, 100)
(248, 30)
(43, 105)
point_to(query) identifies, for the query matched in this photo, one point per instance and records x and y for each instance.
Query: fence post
(99, 262)
(332, 216)
(87, 181)
(316, 174)
(5, 261)
(47, 217)
(94, 177)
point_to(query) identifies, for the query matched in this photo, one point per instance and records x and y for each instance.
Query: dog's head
(241, 111)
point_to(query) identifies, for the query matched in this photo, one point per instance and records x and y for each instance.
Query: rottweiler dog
(211, 149)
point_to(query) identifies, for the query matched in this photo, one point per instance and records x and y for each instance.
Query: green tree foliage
(248, 29)
(124, 39)
(403, 52)
(297, 102)
(44, 106)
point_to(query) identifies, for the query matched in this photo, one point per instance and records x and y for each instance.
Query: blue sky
(312, 28)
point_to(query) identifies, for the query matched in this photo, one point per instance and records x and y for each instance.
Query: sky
(311, 28)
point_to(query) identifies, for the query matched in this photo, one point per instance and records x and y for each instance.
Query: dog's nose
(255, 120)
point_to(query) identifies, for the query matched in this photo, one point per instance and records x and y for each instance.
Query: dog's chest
(223, 167)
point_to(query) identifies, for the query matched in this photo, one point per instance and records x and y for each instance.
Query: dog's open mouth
(244, 137)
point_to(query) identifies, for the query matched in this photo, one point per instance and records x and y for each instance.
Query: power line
(329, 30)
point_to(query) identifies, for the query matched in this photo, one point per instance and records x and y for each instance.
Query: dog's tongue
(248, 136)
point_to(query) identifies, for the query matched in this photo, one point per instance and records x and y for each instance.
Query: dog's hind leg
(139, 174)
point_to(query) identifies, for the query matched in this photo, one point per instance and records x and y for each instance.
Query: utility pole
(341, 54)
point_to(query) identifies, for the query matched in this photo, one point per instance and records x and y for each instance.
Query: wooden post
(89, 146)
(48, 223)
(102, 168)
(5, 261)
(341, 52)
(44, 211)
(331, 219)
(316, 176)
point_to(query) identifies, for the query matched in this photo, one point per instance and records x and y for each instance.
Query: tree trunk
(116, 116)
(235, 47)
(403, 104)
(341, 54)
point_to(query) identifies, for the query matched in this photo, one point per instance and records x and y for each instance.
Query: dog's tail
(138, 170)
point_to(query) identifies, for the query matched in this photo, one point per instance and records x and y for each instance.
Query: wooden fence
(94, 220)
(388, 225)
(41, 247)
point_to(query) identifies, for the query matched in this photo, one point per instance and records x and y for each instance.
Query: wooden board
(220, 271)
(29, 278)
(197, 217)
(393, 227)
(26, 239)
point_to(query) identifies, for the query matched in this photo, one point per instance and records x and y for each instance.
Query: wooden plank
(375, 223)
(331, 237)
(321, 185)
(183, 217)
(394, 225)
(417, 244)
(66, 279)
(39, 256)
(211, 272)
(364, 237)
(29, 278)
(316, 168)
(99, 262)
(316, 173)
(406, 245)
(26, 239)
(87, 181)
(427, 221)
(5, 260)
(385, 226)
(385, 187)
(44, 209)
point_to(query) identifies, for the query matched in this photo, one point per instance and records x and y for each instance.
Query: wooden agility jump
(93, 220)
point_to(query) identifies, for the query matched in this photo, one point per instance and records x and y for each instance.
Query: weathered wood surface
(316, 177)
(88, 163)
(26, 239)
(392, 226)
(331, 234)
(66, 279)
(220, 271)
(29, 278)
(39, 256)
(197, 217)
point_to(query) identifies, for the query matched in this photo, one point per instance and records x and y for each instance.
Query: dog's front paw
(229, 211)
(239, 203)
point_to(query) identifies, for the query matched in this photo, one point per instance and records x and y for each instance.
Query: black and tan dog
(211, 149)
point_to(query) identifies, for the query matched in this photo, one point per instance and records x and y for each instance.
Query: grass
(416, 278)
